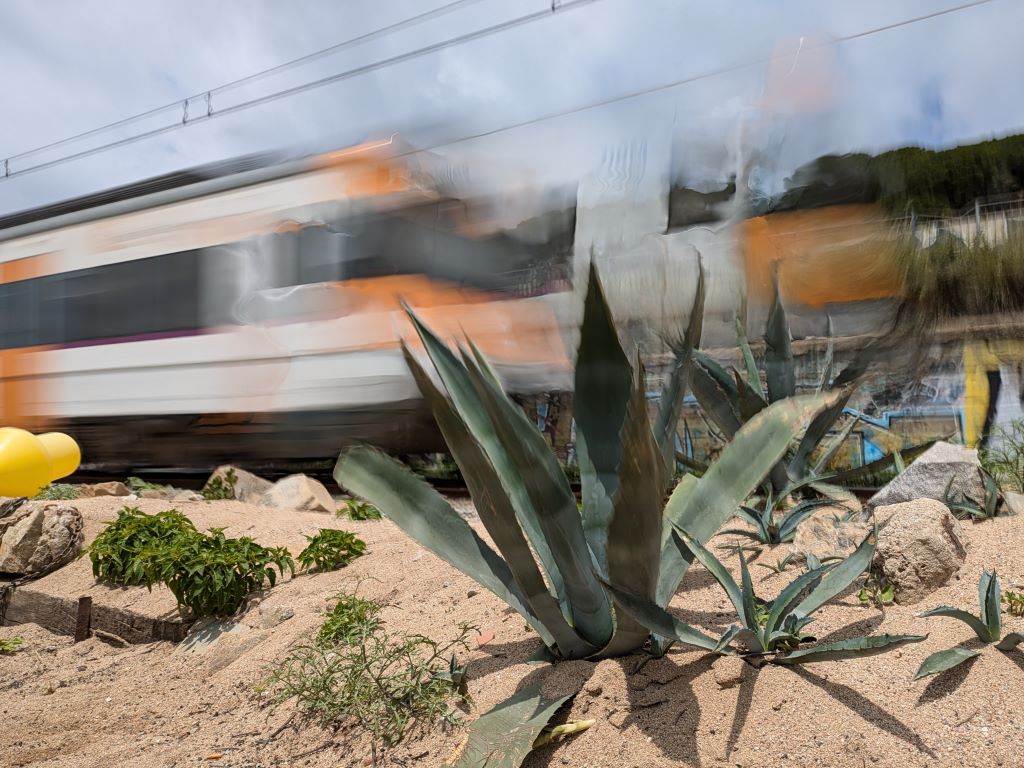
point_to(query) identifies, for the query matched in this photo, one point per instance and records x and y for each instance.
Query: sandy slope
(92, 704)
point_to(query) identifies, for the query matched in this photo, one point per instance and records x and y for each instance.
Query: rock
(828, 533)
(249, 488)
(230, 647)
(301, 493)
(157, 493)
(187, 496)
(112, 488)
(729, 671)
(43, 536)
(205, 632)
(920, 546)
(269, 616)
(1013, 502)
(929, 475)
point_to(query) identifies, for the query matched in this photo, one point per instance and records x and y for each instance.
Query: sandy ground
(93, 704)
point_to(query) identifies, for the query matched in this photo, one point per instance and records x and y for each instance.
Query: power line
(555, 8)
(233, 84)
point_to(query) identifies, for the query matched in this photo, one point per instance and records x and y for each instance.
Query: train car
(250, 311)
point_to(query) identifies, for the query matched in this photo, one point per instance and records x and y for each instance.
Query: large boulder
(833, 531)
(249, 488)
(301, 493)
(930, 474)
(920, 547)
(41, 536)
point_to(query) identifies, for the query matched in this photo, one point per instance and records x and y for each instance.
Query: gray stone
(1013, 502)
(230, 647)
(112, 488)
(301, 493)
(187, 496)
(42, 536)
(205, 632)
(930, 474)
(920, 547)
(249, 488)
(828, 532)
(269, 616)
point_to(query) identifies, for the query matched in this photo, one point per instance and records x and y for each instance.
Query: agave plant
(987, 626)
(964, 506)
(551, 558)
(769, 528)
(771, 631)
(730, 399)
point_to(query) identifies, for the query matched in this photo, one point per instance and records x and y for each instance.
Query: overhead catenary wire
(555, 8)
(207, 95)
(519, 21)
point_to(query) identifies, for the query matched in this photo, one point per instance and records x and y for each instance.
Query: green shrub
(57, 492)
(1004, 458)
(118, 553)
(137, 484)
(330, 549)
(211, 575)
(1014, 602)
(220, 487)
(358, 509)
(10, 645)
(357, 672)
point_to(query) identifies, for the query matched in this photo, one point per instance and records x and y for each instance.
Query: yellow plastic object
(29, 463)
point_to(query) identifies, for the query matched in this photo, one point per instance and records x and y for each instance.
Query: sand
(95, 704)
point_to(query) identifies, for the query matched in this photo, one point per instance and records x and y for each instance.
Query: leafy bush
(1014, 602)
(220, 487)
(210, 575)
(10, 645)
(360, 510)
(350, 618)
(772, 631)
(120, 552)
(551, 553)
(877, 592)
(987, 626)
(330, 549)
(357, 672)
(57, 492)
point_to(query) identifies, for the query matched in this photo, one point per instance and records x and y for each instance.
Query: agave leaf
(991, 492)
(856, 647)
(943, 661)
(504, 736)
(749, 598)
(672, 393)
(661, 622)
(604, 383)
(722, 646)
(834, 445)
(634, 533)
(1011, 641)
(799, 513)
(834, 492)
(817, 430)
(697, 467)
(721, 574)
(739, 470)
(991, 611)
(717, 396)
(474, 414)
(838, 578)
(878, 465)
(415, 507)
(497, 514)
(825, 382)
(557, 514)
(753, 375)
(979, 627)
(790, 594)
(778, 355)
(749, 401)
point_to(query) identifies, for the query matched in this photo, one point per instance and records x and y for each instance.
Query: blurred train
(250, 311)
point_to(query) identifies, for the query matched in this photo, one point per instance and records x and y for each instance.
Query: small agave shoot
(988, 626)
(771, 631)
(551, 559)
(767, 527)
(965, 507)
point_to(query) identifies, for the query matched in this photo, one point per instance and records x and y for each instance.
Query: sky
(71, 65)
